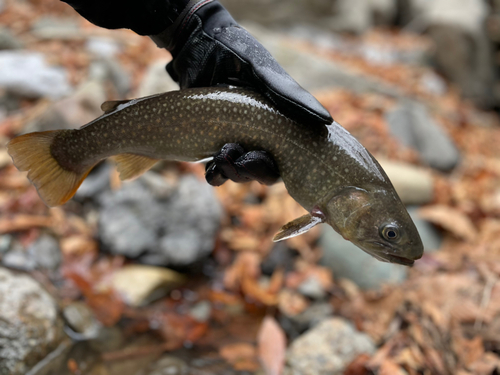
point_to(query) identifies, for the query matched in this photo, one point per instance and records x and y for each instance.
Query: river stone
(140, 284)
(327, 348)
(346, 260)
(46, 252)
(156, 80)
(414, 185)
(30, 326)
(412, 124)
(27, 74)
(159, 222)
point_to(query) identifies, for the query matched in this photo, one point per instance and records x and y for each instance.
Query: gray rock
(81, 320)
(463, 52)
(162, 225)
(327, 348)
(412, 124)
(167, 365)
(27, 74)
(414, 185)
(18, 258)
(103, 47)
(47, 27)
(8, 40)
(157, 80)
(83, 106)
(45, 252)
(5, 243)
(295, 325)
(30, 327)
(109, 69)
(321, 73)
(348, 261)
(96, 182)
(201, 311)
(312, 288)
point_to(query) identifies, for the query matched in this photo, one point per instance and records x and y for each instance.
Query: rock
(5, 243)
(140, 284)
(327, 348)
(81, 320)
(414, 185)
(297, 324)
(71, 113)
(463, 52)
(30, 327)
(157, 80)
(45, 252)
(103, 47)
(19, 259)
(312, 288)
(27, 74)
(322, 73)
(162, 224)
(167, 365)
(47, 27)
(8, 40)
(348, 261)
(96, 182)
(107, 69)
(412, 124)
(201, 311)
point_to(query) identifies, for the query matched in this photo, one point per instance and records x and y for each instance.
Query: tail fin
(31, 153)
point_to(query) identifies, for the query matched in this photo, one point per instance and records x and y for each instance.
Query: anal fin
(133, 165)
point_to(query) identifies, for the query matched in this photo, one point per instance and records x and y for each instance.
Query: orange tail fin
(31, 153)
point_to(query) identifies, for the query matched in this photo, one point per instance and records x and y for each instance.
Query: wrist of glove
(210, 48)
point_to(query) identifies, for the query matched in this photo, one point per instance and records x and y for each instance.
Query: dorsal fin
(111, 105)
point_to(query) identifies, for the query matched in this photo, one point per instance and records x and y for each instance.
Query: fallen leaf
(450, 219)
(24, 222)
(271, 341)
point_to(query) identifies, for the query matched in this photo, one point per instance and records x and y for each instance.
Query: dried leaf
(271, 346)
(24, 222)
(451, 219)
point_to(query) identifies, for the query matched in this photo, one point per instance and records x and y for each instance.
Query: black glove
(209, 48)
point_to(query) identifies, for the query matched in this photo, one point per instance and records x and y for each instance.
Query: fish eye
(390, 232)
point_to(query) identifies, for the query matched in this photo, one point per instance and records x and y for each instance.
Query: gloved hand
(209, 48)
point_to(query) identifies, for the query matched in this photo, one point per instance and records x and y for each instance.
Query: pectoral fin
(299, 226)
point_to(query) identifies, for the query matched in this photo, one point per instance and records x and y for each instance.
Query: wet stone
(45, 252)
(327, 348)
(30, 327)
(81, 320)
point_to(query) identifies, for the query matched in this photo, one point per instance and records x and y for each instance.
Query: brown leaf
(291, 303)
(24, 222)
(242, 356)
(358, 366)
(451, 219)
(271, 346)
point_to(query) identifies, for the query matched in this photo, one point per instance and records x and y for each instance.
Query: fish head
(376, 221)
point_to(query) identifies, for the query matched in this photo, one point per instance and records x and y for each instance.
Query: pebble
(81, 320)
(312, 288)
(30, 325)
(45, 252)
(412, 124)
(327, 348)
(140, 284)
(27, 74)
(348, 261)
(414, 185)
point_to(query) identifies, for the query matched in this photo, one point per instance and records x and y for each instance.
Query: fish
(325, 169)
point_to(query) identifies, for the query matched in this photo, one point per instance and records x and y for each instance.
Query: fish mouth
(390, 258)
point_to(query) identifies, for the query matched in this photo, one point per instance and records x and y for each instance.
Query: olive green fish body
(326, 170)
(194, 124)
